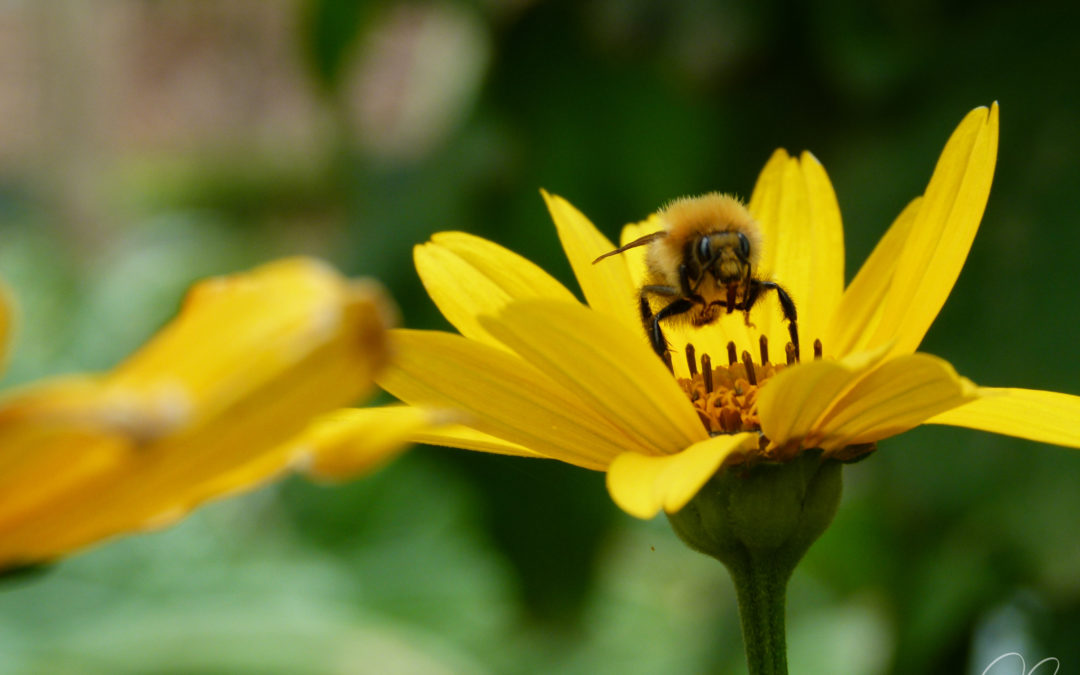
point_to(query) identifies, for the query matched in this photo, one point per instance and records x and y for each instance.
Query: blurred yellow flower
(537, 374)
(210, 406)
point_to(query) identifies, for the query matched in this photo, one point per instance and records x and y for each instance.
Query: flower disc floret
(725, 397)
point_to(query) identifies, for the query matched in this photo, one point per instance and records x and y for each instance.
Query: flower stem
(760, 586)
(759, 521)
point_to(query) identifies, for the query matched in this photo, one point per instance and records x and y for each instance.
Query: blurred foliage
(328, 33)
(951, 547)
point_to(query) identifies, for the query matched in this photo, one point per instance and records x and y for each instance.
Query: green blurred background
(146, 144)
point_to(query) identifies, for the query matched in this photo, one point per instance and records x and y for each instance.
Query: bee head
(724, 255)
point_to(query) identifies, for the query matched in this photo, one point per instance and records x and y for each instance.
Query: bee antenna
(640, 241)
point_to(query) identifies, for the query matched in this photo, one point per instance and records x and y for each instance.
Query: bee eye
(744, 246)
(704, 249)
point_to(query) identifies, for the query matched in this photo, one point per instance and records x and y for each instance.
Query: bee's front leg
(787, 306)
(749, 298)
(731, 304)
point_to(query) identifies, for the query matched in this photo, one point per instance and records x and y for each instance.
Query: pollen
(725, 397)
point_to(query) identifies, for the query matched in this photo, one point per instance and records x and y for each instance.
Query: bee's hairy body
(702, 265)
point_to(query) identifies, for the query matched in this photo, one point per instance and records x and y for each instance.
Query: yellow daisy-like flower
(535, 373)
(206, 408)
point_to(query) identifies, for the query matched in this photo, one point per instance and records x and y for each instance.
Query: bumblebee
(703, 264)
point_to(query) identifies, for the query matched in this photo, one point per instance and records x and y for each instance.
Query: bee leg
(753, 289)
(652, 328)
(652, 321)
(672, 292)
(731, 303)
(787, 305)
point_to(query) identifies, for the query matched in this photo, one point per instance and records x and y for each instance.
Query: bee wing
(647, 239)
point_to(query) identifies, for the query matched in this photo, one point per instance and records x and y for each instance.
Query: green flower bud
(773, 510)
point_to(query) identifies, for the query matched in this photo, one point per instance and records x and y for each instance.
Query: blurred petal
(352, 441)
(604, 365)
(854, 323)
(467, 276)
(642, 485)
(51, 441)
(608, 285)
(201, 411)
(898, 395)
(1043, 416)
(501, 395)
(294, 319)
(803, 247)
(942, 231)
(7, 324)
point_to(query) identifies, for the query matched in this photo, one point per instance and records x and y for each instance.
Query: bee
(702, 265)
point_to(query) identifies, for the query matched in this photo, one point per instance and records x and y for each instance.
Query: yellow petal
(642, 485)
(901, 393)
(765, 199)
(203, 409)
(460, 436)
(467, 276)
(767, 205)
(501, 395)
(803, 243)
(1043, 416)
(855, 321)
(605, 365)
(608, 285)
(791, 403)
(942, 231)
(826, 251)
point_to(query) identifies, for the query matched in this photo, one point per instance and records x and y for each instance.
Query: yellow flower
(205, 409)
(535, 373)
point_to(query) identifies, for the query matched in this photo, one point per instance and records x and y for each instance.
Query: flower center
(725, 397)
